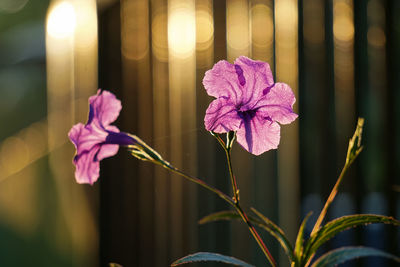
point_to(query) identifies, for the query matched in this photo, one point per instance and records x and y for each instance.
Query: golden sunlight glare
(61, 21)
(182, 31)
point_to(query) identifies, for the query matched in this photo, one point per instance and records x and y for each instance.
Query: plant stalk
(243, 215)
(228, 199)
(235, 189)
(329, 200)
(198, 181)
(327, 205)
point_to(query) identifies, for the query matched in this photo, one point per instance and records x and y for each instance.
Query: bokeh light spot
(181, 32)
(61, 21)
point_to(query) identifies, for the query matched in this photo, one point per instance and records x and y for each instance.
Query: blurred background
(340, 57)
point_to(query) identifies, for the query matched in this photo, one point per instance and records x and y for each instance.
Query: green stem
(329, 200)
(242, 214)
(228, 156)
(236, 205)
(235, 189)
(197, 181)
(327, 205)
(255, 234)
(144, 152)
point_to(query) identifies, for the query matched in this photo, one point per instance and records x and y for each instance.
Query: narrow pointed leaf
(276, 232)
(338, 225)
(208, 256)
(298, 251)
(226, 215)
(340, 255)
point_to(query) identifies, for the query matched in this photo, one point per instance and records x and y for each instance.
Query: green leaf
(298, 250)
(208, 256)
(263, 223)
(338, 225)
(276, 232)
(340, 255)
(225, 215)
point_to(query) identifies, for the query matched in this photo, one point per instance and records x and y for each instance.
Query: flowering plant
(249, 107)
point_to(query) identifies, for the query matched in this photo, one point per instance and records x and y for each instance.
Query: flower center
(247, 114)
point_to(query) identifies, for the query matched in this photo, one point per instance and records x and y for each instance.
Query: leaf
(340, 255)
(298, 250)
(338, 225)
(226, 215)
(276, 232)
(263, 223)
(208, 256)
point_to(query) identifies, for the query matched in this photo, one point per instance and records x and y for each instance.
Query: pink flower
(97, 139)
(249, 102)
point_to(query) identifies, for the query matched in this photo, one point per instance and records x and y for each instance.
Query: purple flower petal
(277, 104)
(97, 139)
(249, 102)
(75, 133)
(107, 151)
(223, 81)
(87, 167)
(239, 72)
(222, 116)
(85, 137)
(259, 135)
(105, 107)
(258, 76)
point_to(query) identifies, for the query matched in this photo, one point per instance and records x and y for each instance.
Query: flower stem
(143, 152)
(255, 235)
(243, 215)
(235, 189)
(327, 205)
(329, 200)
(198, 181)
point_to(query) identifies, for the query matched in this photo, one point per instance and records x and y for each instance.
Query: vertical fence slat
(159, 45)
(286, 56)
